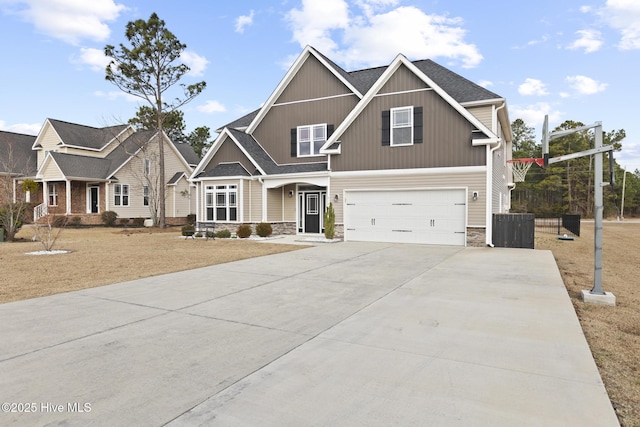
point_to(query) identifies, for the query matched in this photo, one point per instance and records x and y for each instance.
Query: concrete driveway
(337, 334)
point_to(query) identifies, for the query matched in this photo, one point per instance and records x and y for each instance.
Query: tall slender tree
(147, 69)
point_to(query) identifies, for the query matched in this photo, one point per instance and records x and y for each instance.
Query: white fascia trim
(210, 152)
(48, 158)
(308, 50)
(304, 101)
(314, 179)
(417, 171)
(480, 103)
(216, 146)
(42, 131)
(221, 178)
(391, 69)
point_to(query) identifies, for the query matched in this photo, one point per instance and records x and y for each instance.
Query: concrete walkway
(342, 334)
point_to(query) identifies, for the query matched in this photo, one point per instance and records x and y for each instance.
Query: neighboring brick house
(85, 171)
(410, 152)
(17, 163)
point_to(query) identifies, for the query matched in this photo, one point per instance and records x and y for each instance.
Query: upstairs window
(311, 139)
(306, 141)
(402, 126)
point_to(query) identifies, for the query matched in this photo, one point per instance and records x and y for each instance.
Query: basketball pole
(597, 294)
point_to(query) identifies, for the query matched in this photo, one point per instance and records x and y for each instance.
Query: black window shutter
(294, 142)
(386, 127)
(330, 130)
(417, 125)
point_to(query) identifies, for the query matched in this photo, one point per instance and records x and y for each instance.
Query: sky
(571, 60)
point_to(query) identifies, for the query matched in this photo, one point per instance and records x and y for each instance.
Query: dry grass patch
(613, 333)
(101, 256)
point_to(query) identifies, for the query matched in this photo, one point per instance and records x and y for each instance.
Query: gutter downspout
(489, 217)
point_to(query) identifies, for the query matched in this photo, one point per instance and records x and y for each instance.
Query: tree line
(567, 187)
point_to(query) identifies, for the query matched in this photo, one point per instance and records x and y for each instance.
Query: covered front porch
(84, 199)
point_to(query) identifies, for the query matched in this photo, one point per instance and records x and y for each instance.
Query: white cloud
(23, 128)
(68, 20)
(589, 40)
(375, 31)
(244, 21)
(211, 107)
(533, 115)
(624, 16)
(94, 58)
(532, 87)
(195, 62)
(586, 85)
(485, 83)
(113, 95)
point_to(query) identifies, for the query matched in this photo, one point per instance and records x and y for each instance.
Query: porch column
(45, 193)
(68, 196)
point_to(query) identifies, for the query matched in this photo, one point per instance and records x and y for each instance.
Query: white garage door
(436, 217)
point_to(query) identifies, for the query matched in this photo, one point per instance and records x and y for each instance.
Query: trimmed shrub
(244, 231)
(109, 218)
(188, 230)
(124, 221)
(264, 229)
(210, 234)
(75, 221)
(138, 222)
(329, 222)
(223, 234)
(60, 221)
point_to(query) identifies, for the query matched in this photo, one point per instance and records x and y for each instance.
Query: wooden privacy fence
(514, 230)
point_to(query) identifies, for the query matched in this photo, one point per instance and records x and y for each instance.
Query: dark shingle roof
(75, 166)
(226, 169)
(187, 152)
(128, 148)
(460, 89)
(176, 176)
(18, 146)
(266, 163)
(242, 122)
(85, 136)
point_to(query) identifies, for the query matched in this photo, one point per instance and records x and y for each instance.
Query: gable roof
(85, 167)
(87, 137)
(264, 164)
(340, 74)
(449, 78)
(18, 146)
(186, 150)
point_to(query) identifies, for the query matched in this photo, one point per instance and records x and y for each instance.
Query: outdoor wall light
(475, 196)
(290, 193)
(335, 198)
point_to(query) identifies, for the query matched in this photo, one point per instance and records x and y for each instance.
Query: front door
(312, 213)
(93, 199)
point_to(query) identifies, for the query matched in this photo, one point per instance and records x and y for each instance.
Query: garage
(435, 217)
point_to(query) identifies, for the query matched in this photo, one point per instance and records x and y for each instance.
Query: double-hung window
(221, 203)
(53, 194)
(402, 126)
(147, 167)
(310, 139)
(145, 195)
(121, 194)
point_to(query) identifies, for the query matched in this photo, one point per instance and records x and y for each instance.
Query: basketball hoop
(520, 167)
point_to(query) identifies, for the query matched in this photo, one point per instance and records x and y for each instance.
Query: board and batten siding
(230, 153)
(401, 81)
(446, 137)
(313, 80)
(274, 132)
(447, 178)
